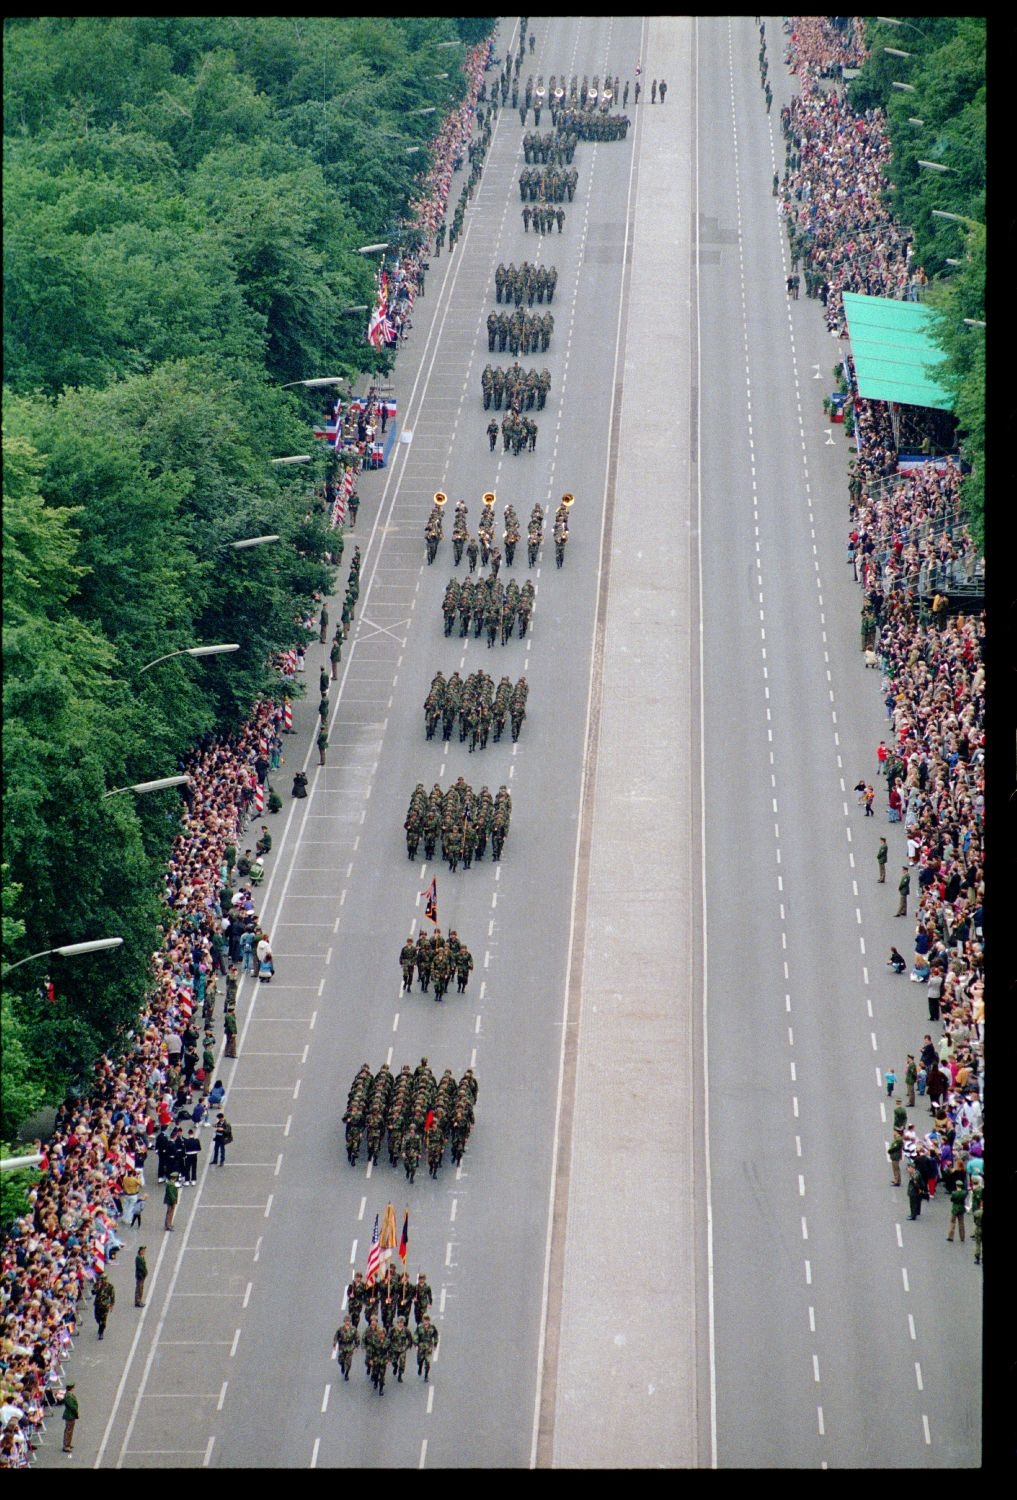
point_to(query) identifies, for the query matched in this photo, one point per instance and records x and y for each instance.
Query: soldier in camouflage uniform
(492, 433)
(376, 1355)
(399, 1340)
(407, 961)
(426, 1342)
(356, 1296)
(347, 1341)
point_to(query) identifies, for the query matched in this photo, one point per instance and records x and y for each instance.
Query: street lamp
(914, 120)
(456, 42)
(431, 109)
(192, 651)
(941, 213)
(360, 307)
(905, 88)
(973, 322)
(294, 458)
(149, 786)
(370, 249)
(328, 379)
(935, 166)
(896, 52)
(257, 541)
(68, 950)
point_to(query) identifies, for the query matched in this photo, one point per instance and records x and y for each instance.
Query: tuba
(440, 498)
(568, 499)
(489, 497)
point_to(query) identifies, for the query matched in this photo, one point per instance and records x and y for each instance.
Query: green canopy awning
(894, 351)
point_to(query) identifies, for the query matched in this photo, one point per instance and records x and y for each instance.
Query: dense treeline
(946, 74)
(183, 200)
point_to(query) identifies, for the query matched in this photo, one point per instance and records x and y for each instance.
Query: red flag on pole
(431, 906)
(404, 1238)
(429, 1121)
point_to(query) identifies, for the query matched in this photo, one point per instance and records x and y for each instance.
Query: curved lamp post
(192, 651)
(68, 950)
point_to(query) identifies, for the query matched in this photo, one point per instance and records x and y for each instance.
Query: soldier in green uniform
(464, 958)
(407, 961)
(411, 1151)
(335, 656)
(492, 433)
(356, 1296)
(527, 215)
(404, 1294)
(492, 329)
(399, 1341)
(426, 1341)
(895, 1151)
(376, 1355)
(976, 1232)
(958, 1208)
(423, 961)
(910, 1079)
(347, 1341)
(105, 1297)
(422, 1298)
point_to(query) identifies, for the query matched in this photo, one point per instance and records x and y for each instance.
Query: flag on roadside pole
(431, 905)
(404, 1238)
(389, 1239)
(373, 1256)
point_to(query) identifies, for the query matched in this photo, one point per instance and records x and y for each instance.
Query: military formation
(543, 218)
(517, 387)
(551, 185)
(421, 954)
(550, 148)
(482, 709)
(512, 283)
(488, 606)
(387, 1338)
(461, 818)
(523, 332)
(410, 1114)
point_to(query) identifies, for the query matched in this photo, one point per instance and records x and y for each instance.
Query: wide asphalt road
(231, 1365)
(845, 1335)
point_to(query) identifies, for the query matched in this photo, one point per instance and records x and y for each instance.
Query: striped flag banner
(374, 1256)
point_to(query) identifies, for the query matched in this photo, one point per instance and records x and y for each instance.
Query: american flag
(374, 1257)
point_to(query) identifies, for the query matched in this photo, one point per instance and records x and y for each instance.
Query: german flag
(431, 905)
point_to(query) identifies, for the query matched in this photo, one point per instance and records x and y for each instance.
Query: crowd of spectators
(401, 278)
(908, 534)
(836, 166)
(908, 540)
(55, 1251)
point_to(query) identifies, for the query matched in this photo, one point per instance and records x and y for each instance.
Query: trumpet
(440, 498)
(568, 499)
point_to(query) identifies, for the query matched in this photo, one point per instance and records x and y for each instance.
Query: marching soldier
(492, 328)
(426, 1342)
(407, 961)
(464, 958)
(376, 1355)
(492, 433)
(347, 1341)
(399, 1341)
(422, 1298)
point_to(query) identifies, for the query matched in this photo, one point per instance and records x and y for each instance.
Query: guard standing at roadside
(140, 1276)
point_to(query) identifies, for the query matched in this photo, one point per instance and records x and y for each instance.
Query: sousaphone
(568, 499)
(440, 497)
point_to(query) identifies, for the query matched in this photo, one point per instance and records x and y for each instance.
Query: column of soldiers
(551, 185)
(477, 152)
(525, 333)
(557, 150)
(544, 218)
(529, 281)
(455, 961)
(481, 709)
(489, 606)
(463, 819)
(387, 1338)
(412, 1112)
(485, 548)
(561, 529)
(520, 388)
